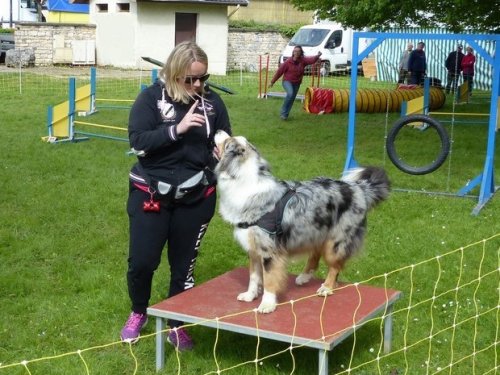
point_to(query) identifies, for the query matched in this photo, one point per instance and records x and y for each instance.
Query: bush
(285, 30)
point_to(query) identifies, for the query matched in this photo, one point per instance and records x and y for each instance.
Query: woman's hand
(190, 120)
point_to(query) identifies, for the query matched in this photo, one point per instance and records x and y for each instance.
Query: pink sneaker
(132, 329)
(179, 338)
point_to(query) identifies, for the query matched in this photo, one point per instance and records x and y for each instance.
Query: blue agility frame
(91, 110)
(484, 179)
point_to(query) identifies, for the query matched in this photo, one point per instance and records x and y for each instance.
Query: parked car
(6, 42)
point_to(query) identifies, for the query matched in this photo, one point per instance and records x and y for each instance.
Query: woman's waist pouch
(189, 191)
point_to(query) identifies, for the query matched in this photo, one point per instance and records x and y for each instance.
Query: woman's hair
(301, 50)
(177, 65)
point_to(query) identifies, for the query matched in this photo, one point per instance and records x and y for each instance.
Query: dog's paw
(247, 296)
(266, 307)
(324, 291)
(303, 278)
(268, 303)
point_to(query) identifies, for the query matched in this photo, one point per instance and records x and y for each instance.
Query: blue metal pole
(488, 181)
(93, 87)
(50, 119)
(71, 108)
(356, 58)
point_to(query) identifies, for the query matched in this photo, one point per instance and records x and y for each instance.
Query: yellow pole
(100, 126)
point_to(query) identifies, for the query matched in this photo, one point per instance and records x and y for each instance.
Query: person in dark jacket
(171, 187)
(453, 65)
(417, 64)
(292, 71)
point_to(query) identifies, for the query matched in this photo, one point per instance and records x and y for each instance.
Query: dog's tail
(374, 182)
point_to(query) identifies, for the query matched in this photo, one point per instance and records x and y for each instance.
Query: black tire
(433, 126)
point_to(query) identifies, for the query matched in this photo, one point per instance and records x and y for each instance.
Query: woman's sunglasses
(192, 79)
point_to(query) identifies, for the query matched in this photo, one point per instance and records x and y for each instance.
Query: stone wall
(52, 42)
(245, 47)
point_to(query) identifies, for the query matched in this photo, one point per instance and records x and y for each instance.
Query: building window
(123, 7)
(103, 8)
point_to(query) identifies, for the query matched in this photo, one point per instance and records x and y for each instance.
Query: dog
(276, 219)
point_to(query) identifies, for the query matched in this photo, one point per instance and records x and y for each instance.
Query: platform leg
(323, 362)
(160, 343)
(388, 329)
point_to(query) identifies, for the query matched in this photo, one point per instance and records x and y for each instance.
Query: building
(127, 30)
(13, 11)
(63, 11)
(280, 12)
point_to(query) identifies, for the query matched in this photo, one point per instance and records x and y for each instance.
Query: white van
(334, 42)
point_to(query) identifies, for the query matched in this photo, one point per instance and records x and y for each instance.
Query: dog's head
(238, 157)
(222, 139)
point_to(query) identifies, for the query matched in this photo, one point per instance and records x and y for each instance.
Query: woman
(468, 62)
(172, 189)
(292, 71)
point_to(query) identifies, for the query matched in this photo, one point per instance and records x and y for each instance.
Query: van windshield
(308, 37)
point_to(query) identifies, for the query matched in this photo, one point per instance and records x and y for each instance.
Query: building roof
(67, 6)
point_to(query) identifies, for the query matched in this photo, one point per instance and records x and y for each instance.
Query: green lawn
(63, 244)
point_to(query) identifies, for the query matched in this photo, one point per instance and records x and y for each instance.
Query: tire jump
(437, 139)
(320, 100)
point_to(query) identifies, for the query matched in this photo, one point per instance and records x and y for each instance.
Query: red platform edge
(302, 317)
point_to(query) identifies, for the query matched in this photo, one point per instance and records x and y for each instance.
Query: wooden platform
(314, 322)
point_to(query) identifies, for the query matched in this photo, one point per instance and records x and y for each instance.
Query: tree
(454, 15)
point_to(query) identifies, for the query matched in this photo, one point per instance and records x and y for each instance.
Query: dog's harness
(271, 221)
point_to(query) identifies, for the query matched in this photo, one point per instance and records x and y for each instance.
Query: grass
(63, 243)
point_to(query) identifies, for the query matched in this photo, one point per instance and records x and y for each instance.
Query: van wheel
(325, 68)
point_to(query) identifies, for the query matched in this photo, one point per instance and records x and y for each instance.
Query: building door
(185, 27)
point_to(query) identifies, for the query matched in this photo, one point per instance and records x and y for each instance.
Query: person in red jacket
(468, 67)
(292, 71)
